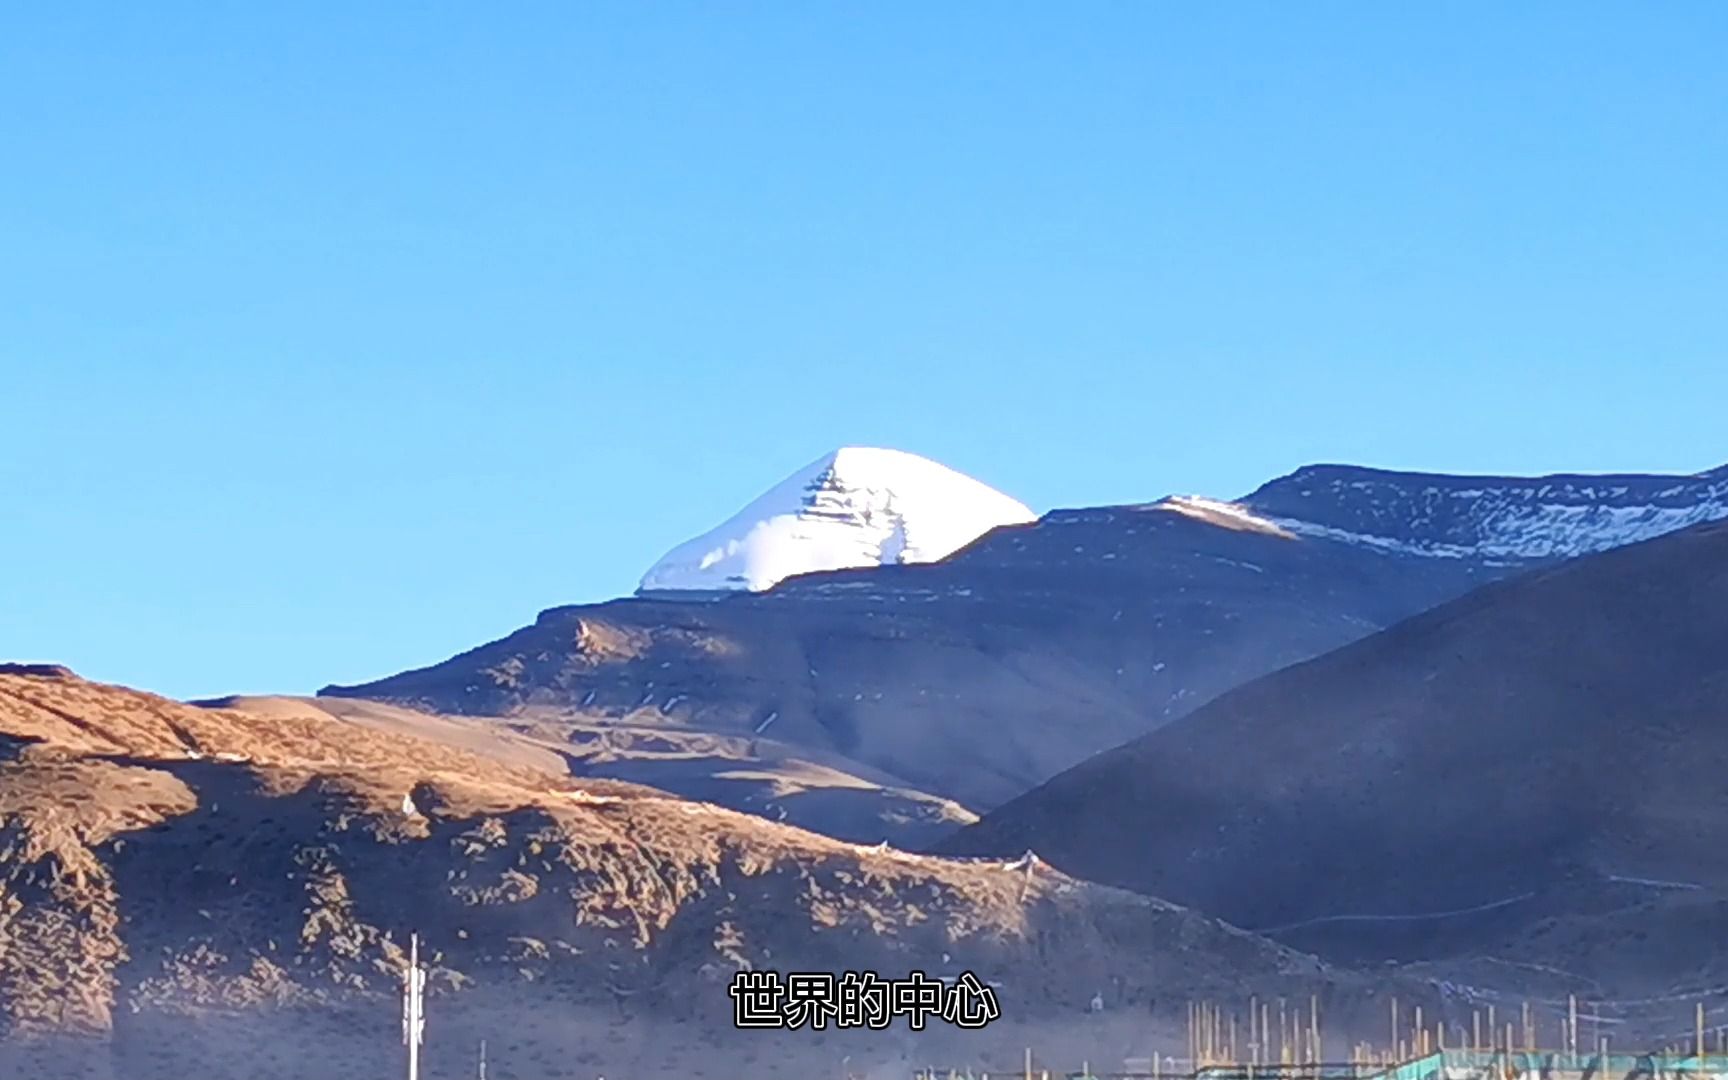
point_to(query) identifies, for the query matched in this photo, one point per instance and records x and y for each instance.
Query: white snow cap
(858, 506)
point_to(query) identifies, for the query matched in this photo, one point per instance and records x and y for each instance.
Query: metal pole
(413, 1008)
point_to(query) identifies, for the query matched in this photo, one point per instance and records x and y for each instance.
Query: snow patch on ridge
(1224, 514)
(855, 507)
(1537, 532)
(1508, 520)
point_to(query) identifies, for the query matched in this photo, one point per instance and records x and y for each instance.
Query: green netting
(1553, 1065)
(1617, 1066)
(1494, 1065)
(1423, 1068)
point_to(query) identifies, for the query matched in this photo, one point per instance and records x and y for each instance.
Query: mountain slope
(1556, 745)
(823, 793)
(1489, 518)
(857, 506)
(226, 893)
(971, 679)
(979, 676)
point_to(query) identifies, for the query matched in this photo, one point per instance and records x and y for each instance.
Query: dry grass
(177, 869)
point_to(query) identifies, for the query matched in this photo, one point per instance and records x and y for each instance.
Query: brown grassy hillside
(802, 786)
(176, 880)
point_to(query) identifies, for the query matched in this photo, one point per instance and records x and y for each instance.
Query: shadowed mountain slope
(1544, 753)
(972, 679)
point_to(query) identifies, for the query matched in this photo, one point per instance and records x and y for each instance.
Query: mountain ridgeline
(1491, 519)
(1385, 739)
(981, 675)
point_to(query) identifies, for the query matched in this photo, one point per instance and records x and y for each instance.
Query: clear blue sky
(338, 338)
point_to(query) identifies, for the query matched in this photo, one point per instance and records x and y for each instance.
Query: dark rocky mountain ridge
(1504, 519)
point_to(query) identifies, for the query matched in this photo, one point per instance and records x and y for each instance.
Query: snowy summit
(856, 507)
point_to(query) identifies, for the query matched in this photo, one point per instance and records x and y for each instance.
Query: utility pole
(414, 1007)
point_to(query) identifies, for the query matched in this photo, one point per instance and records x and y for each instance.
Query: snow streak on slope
(855, 507)
(1225, 515)
(1495, 519)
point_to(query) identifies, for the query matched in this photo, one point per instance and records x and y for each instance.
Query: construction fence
(1440, 1065)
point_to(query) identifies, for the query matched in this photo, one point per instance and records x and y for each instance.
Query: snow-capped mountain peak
(855, 507)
